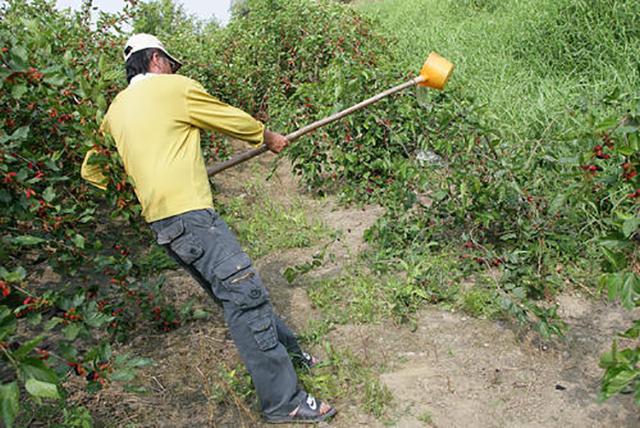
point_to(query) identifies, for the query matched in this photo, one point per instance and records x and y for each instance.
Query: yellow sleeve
(92, 173)
(207, 112)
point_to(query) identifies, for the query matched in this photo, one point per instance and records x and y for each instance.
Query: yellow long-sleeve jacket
(155, 123)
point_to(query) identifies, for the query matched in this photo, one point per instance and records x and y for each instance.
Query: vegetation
(535, 184)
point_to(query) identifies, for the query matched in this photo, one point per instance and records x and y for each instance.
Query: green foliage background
(536, 138)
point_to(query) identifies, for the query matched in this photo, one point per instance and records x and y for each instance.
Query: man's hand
(274, 141)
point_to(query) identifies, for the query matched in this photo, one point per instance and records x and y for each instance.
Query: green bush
(532, 174)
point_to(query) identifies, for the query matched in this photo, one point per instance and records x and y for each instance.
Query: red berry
(44, 354)
(4, 289)
(8, 177)
(77, 368)
(93, 376)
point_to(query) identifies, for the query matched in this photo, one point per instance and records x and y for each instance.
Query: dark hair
(138, 62)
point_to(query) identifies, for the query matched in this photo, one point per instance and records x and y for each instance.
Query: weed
(426, 417)
(265, 225)
(480, 303)
(356, 296)
(233, 387)
(345, 375)
(155, 260)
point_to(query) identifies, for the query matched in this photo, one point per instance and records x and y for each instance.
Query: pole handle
(242, 157)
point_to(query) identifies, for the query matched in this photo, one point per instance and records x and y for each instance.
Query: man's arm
(207, 112)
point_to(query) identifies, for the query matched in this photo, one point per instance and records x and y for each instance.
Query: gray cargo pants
(201, 242)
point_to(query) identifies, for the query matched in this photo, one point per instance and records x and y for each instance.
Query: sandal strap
(309, 360)
(309, 409)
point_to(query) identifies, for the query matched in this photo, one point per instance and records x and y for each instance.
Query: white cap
(141, 41)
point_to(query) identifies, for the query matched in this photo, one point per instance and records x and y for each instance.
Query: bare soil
(452, 371)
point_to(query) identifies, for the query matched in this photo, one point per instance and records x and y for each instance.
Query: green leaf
(630, 226)
(27, 240)
(52, 323)
(607, 124)
(20, 133)
(613, 283)
(16, 276)
(36, 369)
(124, 375)
(557, 203)
(619, 381)
(9, 402)
(49, 194)
(18, 91)
(41, 389)
(633, 332)
(199, 314)
(616, 260)
(21, 53)
(629, 293)
(290, 274)
(55, 79)
(139, 362)
(71, 331)
(96, 319)
(8, 322)
(24, 350)
(101, 102)
(34, 318)
(78, 240)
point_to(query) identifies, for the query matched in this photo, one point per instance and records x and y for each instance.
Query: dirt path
(452, 371)
(456, 371)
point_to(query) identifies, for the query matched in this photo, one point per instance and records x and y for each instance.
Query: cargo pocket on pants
(186, 246)
(264, 332)
(241, 281)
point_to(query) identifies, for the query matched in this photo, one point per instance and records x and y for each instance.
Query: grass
(57, 414)
(541, 70)
(342, 374)
(545, 73)
(265, 225)
(534, 64)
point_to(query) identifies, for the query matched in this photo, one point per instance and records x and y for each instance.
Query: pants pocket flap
(264, 332)
(171, 232)
(260, 324)
(231, 265)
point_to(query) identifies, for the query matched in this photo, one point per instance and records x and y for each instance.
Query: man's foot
(309, 361)
(310, 411)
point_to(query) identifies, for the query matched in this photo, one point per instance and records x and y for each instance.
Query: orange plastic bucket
(435, 71)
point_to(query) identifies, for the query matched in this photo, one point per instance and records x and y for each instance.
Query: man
(156, 124)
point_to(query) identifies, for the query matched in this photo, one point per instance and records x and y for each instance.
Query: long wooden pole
(213, 170)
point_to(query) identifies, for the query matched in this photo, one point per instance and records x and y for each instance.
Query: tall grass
(535, 64)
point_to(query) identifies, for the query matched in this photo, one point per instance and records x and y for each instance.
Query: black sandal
(307, 360)
(308, 412)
